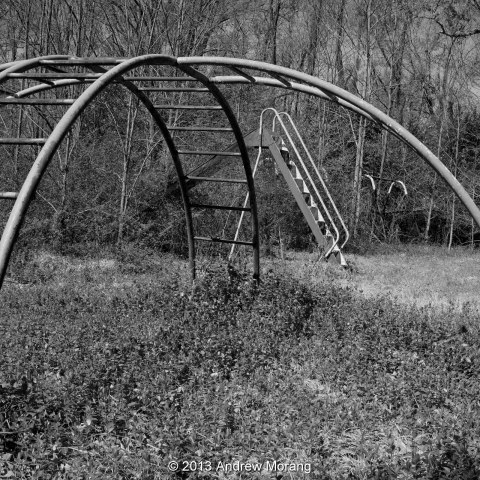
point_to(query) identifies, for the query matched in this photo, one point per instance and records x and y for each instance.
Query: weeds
(115, 383)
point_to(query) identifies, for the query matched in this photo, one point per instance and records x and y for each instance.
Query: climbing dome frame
(96, 74)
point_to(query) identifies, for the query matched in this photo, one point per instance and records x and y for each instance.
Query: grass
(420, 275)
(112, 368)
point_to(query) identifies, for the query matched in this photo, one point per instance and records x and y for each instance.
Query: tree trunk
(473, 224)
(338, 47)
(443, 106)
(313, 37)
(126, 165)
(270, 51)
(454, 197)
(432, 191)
(394, 92)
(357, 182)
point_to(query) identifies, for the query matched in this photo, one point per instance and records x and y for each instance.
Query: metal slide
(304, 181)
(32, 90)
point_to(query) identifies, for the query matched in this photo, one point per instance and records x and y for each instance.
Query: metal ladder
(16, 143)
(189, 129)
(194, 115)
(319, 210)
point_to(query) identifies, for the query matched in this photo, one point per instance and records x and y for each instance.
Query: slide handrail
(312, 183)
(319, 177)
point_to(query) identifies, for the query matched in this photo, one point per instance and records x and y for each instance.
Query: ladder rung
(220, 207)
(9, 195)
(302, 186)
(216, 179)
(22, 141)
(320, 220)
(188, 107)
(250, 78)
(201, 129)
(36, 101)
(280, 78)
(174, 89)
(49, 75)
(294, 169)
(160, 79)
(83, 76)
(84, 61)
(223, 240)
(196, 152)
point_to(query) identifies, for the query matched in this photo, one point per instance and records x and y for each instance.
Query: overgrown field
(113, 375)
(423, 275)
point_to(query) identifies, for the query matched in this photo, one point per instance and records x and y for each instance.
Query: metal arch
(344, 98)
(214, 90)
(179, 169)
(23, 65)
(43, 159)
(48, 86)
(280, 77)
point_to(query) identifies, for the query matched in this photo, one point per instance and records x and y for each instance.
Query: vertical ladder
(187, 107)
(19, 140)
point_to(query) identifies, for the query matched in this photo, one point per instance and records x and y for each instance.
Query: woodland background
(415, 60)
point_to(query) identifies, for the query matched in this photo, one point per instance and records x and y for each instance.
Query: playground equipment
(316, 207)
(395, 196)
(36, 81)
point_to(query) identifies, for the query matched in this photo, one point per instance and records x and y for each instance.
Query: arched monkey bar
(53, 72)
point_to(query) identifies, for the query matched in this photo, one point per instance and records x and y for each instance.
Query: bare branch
(458, 34)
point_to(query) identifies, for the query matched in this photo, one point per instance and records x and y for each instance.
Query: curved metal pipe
(364, 108)
(245, 159)
(372, 181)
(279, 77)
(43, 159)
(49, 86)
(21, 66)
(402, 187)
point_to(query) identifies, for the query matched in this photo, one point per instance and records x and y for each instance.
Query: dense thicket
(417, 61)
